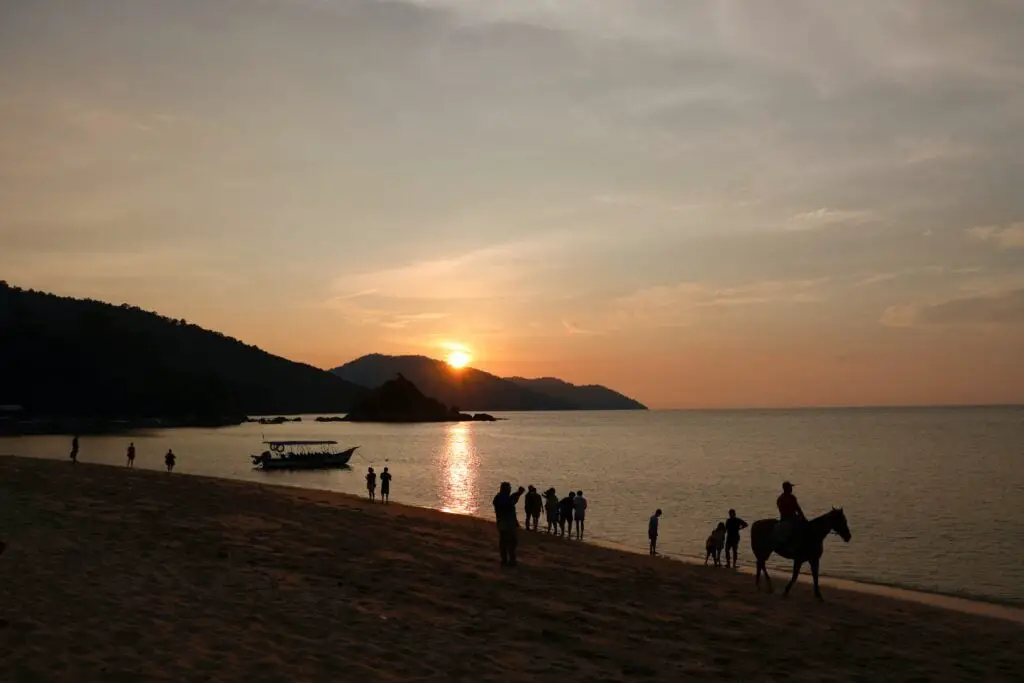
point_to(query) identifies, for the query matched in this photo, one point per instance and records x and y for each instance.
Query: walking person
(551, 509)
(505, 516)
(131, 455)
(74, 450)
(565, 510)
(371, 483)
(652, 531)
(733, 526)
(532, 505)
(385, 485)
(579, 506)
(169, 460)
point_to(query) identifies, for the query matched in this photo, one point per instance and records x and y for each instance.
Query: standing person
(371, 483)
(74, 450)
(131, 455)
(532, 505)
(505, 515)
(169, 460)
(551, 508)
(652, 531)
(714, 545)
(565, 510)
(385, 485)
(733, 526)
(579, 505)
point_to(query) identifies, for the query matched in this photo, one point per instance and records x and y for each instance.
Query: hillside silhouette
(587, 396)
(62, 357)
(469, 388)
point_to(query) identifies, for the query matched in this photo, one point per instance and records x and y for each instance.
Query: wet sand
(112, 575)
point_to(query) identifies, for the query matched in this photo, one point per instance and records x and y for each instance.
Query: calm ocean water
(933, 496)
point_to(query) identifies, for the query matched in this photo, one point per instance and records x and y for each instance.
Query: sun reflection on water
(458, 462)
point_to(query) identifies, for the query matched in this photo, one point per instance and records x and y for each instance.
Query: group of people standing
(560, 516)
(170, 459)
(725, 536)
(559, 513)
(385, 484)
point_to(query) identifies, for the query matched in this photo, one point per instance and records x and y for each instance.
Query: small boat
(301, 455)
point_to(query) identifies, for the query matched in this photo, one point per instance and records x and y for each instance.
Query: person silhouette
(74, 450)
(385, 485)
(169, 460)
(652, 531)
(551, 509)
(131, 455)
(505, 516)
(733, 526)
(565, 510)
(790, 516)
(532, 505)
(579, 507)
(714, 545)
(371, 483)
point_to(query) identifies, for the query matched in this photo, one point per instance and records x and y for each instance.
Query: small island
(399, 400)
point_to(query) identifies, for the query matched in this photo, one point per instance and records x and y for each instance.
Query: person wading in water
(505, 515)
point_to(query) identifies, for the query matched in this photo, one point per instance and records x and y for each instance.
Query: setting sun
(458, 359)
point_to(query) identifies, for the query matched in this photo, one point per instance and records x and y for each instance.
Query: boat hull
(312, 462)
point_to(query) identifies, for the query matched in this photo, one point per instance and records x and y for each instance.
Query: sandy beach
(116, 575)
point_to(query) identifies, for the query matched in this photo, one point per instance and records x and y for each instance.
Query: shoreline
(116, 574)
(976, 605)
(980, 605)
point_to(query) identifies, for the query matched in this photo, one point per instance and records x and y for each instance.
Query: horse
(806, 544)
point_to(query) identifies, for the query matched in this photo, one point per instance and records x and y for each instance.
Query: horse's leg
(796, 572)
(814, 573)
(757, 579)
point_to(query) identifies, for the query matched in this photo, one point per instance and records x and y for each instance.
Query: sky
(716, 203)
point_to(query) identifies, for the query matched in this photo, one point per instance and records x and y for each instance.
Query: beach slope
(111, 575)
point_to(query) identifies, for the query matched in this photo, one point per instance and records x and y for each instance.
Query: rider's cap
(786, 484)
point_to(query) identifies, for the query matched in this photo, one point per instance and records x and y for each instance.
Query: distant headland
(469, 387)
(80, 365)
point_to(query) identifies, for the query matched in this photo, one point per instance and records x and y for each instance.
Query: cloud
(491, 272)
(574, 329)
(359, 309)
(1005, 237)
(822, 217)
(1006, 308)
(680, 304)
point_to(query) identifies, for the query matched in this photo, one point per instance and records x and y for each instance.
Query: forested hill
(64, 357)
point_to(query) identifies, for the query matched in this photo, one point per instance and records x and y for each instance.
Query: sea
(934, 496)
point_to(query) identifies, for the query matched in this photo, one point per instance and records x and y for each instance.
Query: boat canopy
(300, 443)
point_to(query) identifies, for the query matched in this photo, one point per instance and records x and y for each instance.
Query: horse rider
(790, 514)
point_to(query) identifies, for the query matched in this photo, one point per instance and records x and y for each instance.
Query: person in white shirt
(580, 513)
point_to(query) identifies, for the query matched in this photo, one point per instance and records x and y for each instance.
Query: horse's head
(839, 525)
